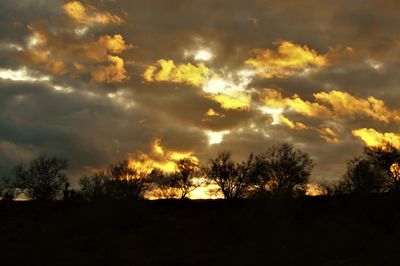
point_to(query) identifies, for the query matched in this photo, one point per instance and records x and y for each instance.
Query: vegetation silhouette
(8, 191)
(386, 158)
(376, 171)
(265, 217)
(230, 177)
(281, 172)
(179, 184)
(43, 179)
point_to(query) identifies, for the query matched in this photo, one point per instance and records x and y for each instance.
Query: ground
(304, 231)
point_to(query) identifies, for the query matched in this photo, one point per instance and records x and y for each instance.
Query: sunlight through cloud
(216, 137)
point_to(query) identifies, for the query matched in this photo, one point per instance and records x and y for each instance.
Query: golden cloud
(96, 58)
(374, 138)
(88, 14)
(292, 124)
(100, 49)
(114, 73)
(289, 58)
(344, 104)
(333, 104)
(239, 101)
(168, 71)
(161, 158)
(211, 112)
(273, 98)
(114, 44)
(328, 134)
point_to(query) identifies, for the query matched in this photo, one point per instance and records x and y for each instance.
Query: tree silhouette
(129, 181)
(282, 171)
(230, 177)
(361, 177)
(8, 191)
(164, 185)
(386, 157)
(185, 176)
(43, 179)
(94, 187)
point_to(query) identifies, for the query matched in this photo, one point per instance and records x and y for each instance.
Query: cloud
(289, 58)
(274, 98)
(333, 105)
(374, 138)
(344, 104)
(238, 101)
(328, 134)
(168, 71)
(160, 157)
(211, 112)
(88, 14)
(286, 121)
(114, 73)
(94, 57)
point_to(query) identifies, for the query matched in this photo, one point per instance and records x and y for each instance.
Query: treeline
(280, 172)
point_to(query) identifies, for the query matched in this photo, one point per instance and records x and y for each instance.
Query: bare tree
(164, 185)
(43, 179)
(8, 190)
(185, 176)
(180, 183)
(230, 177)
(282, 171)
(94, 187)
(129, 181)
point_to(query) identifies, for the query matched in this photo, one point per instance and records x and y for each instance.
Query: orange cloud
(289, 58)
(88, 14)
(273, 98)
(114, 44)
(328, 134)
(161, 158)
(344, 104)
(239, 101)
(100, 49)
(167, 71)
(292, 124)
(211, 112)
(114, 73)
(374, 138)
(96, 58)
(333, 104)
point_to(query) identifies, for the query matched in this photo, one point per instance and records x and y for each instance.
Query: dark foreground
(308, 231)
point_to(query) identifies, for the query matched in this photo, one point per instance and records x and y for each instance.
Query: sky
(100, 81)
